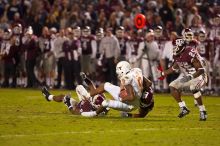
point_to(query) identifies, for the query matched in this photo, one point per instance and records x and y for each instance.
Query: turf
(26, 118)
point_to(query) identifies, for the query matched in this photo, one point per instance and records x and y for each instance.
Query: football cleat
(67, 102)
(83, 75)
(203, 116)
(184, 112)
(46, 93)
(126, 115)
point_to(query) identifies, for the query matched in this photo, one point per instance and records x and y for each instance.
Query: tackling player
(135, 92)
(188, 61)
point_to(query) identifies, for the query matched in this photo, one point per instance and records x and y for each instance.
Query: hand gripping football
(123, 92)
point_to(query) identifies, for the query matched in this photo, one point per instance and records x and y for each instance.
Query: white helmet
(187, 34)
(122, 68)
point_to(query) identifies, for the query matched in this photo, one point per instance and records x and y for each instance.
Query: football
(123, 92)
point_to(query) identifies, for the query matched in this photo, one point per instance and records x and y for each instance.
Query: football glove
(161, 73)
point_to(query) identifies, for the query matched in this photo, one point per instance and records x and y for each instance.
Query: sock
(182, 104)
(89, 114)
(119, 105)
(50, 97)
(201, 108)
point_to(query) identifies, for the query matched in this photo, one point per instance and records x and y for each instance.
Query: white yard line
(109, 131)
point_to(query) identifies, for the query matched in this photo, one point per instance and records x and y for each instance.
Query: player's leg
(196, 85)
(176, 93)
(203, 113)
(82, 93)
(49, 97)
(117, 105)
(113, 90)
(87, 80)
(66, 99)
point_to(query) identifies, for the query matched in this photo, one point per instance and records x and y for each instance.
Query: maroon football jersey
(85, 106)
(122, 43)
(184, 60)
(67, 49)
(86, 44)
(204, 49)
(46, 44)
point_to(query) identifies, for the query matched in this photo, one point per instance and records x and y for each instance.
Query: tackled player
(135, 92)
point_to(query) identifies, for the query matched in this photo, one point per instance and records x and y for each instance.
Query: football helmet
(120, 32)
(100, 33)
(77, 31)
(158, 31)
(97, 100)
(86, 31)
(7, 34)
(17, 29)
(187, 34)
(179, 46)
(202, 35)
(29, 30)
(122, 68)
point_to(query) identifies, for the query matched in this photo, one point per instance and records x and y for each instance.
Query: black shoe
(203, 116)
(83, 75)
(184, 112)
(67, 102)
(46, 93)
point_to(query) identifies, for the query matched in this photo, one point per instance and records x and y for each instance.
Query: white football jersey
(135, 79)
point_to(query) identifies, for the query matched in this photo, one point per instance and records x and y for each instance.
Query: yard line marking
(110, 131)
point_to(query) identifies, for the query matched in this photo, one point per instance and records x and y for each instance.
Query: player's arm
(88, 82)
(146, 83)
(198, 66)
(99, 90)
(172, 69)
(127, 93)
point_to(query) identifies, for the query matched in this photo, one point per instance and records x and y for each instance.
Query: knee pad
(105, 103)
(197, 94)
(82, 92)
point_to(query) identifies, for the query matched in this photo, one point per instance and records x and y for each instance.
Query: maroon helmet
(97, 100)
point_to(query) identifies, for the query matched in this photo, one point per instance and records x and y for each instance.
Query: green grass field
(26, 118)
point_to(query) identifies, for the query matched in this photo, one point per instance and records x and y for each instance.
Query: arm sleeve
(140, 50)
(94, 48)
(117, 48)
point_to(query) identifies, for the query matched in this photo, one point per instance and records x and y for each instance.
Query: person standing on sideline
(110, 46)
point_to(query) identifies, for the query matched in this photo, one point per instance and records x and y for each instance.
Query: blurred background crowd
(49, 42)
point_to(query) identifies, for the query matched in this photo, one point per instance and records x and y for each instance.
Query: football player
(47, 57)
(86, 102)
(205, 50)
(123, 42)
(135, 92)
(193, 78)
(89, 46)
